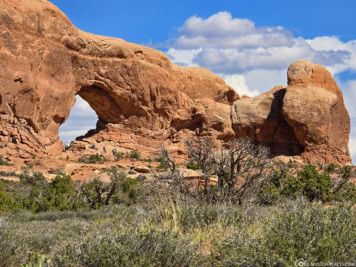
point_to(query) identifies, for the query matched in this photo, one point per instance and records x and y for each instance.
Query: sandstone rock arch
(45, 62)
(102, 103)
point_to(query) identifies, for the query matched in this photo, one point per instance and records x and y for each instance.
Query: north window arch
(82, 118)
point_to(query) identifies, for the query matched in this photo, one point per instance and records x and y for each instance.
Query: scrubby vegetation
(191, 164)
(259, 213)
(36, 194)
(118, 155)
(3, 162)
(181, 232)
(134, 155)
(92, 159)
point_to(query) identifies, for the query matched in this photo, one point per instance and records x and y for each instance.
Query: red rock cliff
(45, 61)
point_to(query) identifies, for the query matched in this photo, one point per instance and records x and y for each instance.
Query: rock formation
(306, 118)
(142, 98)
(45, 61)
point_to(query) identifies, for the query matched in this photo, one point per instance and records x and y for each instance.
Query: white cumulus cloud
(221, 30)
(238, 82)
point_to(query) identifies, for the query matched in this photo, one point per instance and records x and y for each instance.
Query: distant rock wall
(45, 61)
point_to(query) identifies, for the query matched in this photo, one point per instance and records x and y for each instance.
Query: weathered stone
(307, 118)
(142, 169)
(143, 100)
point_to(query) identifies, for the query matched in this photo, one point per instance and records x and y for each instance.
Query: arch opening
(102, 103)
(82, 118)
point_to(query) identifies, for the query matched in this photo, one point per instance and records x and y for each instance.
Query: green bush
(149, 160)
(163, 166)
(3, 162)
(193, 165)
(331, 167)
(36, 179)
(118, 155)
(159, 158)
(92, 159)
(59, 194)
(6, 202)
(4, 173)
(62, 190)
(36, 260)
(134, 154)
(346, 193)
(308, 183)
(121, 189)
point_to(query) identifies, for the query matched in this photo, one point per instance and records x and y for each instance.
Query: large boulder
(314, 107)
(307, 118)
(260, 119)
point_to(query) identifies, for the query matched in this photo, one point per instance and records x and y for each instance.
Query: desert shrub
(178, 231)
(139, 248)
(3, 162)
(4, 173)
(121, 189)
(189, 215)
(141, 178)
(293, 232)
(311, 184)
(149, 160)
(59, 194)
(331, 167)
(308, 183)
(118, 155)
(6, 202)
(133, 154)
(346, 193)
(193, 165)
(37, 260)
(159, 158)
(36, 179)
(92, 159)
(163, 166)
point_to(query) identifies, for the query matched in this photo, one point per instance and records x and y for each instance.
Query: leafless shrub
(201, 151)
(241, 161)
(342, 179)
(173, 178)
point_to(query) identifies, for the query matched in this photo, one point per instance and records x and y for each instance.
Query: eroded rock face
(307, 118)
(45, 61)
(261, 119)
(142, 99)
(314, 107)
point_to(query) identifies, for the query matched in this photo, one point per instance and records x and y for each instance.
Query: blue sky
(249, 43)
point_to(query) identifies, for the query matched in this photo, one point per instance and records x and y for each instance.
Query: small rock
(142, 169)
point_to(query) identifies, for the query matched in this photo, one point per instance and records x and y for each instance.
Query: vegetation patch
(3, 162)
(92, 159)
(260, 213)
